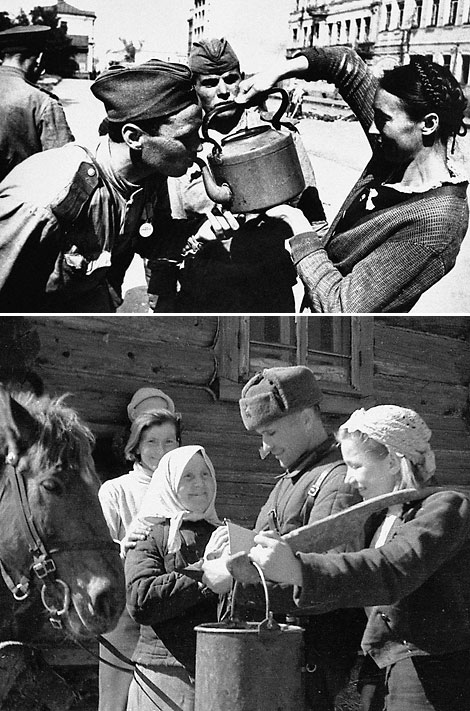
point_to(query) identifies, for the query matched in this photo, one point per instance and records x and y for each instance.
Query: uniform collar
(309, 459)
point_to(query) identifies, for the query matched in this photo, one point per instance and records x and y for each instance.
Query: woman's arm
(153, 595)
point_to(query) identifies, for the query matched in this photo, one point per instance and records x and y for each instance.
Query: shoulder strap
(313, 491)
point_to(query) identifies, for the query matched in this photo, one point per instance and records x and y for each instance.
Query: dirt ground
(84, 682)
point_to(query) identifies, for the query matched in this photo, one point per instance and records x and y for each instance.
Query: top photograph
(235, 157)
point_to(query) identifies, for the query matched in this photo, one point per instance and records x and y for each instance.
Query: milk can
(249, 666)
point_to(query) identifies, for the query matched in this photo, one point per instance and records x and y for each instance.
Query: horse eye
(54, 486)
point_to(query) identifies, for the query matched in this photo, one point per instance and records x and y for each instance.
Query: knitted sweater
(388, 257)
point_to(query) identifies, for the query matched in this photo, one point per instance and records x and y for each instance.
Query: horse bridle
(55, 593)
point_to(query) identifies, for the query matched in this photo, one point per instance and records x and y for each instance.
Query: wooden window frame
(232, 350)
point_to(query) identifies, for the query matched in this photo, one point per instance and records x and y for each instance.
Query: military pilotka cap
(21, 38)
(149, 400)
(277, 392)
(146, 91)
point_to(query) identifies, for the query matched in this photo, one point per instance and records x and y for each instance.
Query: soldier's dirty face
(173, 150)
(216, 89)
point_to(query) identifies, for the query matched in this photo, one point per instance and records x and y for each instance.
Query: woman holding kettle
(400, 229)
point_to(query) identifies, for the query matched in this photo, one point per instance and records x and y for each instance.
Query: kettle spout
(221, 194)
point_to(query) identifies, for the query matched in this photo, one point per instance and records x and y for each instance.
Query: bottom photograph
(235, 513)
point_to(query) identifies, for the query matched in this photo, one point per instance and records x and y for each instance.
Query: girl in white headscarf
(180, 503)
(413, 579)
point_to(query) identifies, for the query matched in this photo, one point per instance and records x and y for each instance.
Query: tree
(5, 21)
(59, 53)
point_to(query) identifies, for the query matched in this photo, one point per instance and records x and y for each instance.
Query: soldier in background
(31, 118)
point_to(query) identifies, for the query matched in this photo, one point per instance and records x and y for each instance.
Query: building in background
(80, 28)
(257, 29)
(387, 32)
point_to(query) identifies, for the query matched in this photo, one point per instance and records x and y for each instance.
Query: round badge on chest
(146, 229)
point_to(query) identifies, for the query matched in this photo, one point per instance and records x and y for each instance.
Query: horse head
(54, 536)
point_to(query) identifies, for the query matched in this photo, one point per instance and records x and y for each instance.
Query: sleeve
(108, 497)
(413, 254)
(344, 68)
(164, 251)
(382, 576)
(53, 127)
(29, 245)
(153, 595)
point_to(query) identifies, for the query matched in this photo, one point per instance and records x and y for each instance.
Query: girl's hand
(292, 216)
(276, 559)
(256, 84)
(138, 532)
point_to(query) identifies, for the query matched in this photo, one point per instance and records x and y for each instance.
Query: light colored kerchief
(161, 498)
(401, 430)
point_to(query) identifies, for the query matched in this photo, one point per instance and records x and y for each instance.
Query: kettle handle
(275, 121)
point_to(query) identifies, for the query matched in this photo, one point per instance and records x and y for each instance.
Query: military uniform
(66, 223)
(31, 120)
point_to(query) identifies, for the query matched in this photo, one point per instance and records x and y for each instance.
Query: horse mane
(63, 437)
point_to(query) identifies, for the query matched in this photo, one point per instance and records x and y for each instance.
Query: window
(294, 35)
(388, 16)
(348, 30)
(358, 29)
(416, 21)
(338, 32)
(366, 29)
(465, 68)
(330, 32)
(446, 59)
(338, 349)
(454, 6)
(434, 13)
(401, 12)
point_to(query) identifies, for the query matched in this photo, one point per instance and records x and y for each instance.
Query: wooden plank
(416, 355)
(449, 326)
(423, 396)
(195, 330)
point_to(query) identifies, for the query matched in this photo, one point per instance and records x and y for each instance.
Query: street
(338, 151)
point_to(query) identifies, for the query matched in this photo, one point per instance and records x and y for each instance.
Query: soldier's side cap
(214, 56)
(147, 400)
(277, 392)
(24, 37)
(145, 91)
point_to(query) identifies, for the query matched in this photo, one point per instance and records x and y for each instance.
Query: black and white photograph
(234, 355)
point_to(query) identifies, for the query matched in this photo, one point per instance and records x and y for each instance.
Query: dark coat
(417, 583)
(170, 602)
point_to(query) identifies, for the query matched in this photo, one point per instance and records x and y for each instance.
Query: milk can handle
(269, 622)
(275, 121)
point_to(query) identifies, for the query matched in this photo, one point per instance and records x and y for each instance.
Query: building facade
(257, 29)
(80, 29)
(387, 32)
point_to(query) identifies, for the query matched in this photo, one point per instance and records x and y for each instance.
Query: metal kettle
(255, 168)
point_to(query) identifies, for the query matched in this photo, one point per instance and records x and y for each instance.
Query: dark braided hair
(425, 87)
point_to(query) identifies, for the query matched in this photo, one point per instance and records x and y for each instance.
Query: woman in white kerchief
(180, 502)
(413, 579)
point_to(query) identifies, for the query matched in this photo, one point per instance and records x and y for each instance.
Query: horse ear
(17, 427)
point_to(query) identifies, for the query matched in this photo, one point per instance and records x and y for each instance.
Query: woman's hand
(256, 84)
(263, 81)
(292, 216)
(276, 559)
(218, 544)
(137, 532)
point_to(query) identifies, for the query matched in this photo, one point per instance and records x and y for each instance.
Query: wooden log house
(203, 361)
